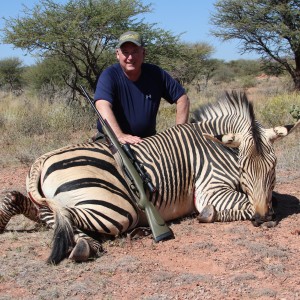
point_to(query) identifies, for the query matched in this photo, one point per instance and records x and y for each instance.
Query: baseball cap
(130, 36)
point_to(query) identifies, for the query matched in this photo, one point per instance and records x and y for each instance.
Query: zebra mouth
(267, 221)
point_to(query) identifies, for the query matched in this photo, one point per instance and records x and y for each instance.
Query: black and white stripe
(224, 158)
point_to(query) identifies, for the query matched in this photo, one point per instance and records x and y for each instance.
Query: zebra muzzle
(269, 220)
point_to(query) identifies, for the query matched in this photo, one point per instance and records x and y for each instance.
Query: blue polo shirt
(135, 103)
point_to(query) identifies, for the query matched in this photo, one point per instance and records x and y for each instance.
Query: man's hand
(130, 139)
(106, 112)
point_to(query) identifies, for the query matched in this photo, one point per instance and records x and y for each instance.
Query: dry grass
(30, 126)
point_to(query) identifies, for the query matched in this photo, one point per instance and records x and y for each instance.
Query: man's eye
(127, 53)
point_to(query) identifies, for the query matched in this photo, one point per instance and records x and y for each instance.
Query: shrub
(275, 110)
(248, 82)
(295, 111)
(30, 127)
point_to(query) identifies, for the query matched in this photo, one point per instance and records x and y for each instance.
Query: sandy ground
(204, 261)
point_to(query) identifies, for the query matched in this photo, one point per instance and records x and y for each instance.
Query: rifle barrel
(93, 105)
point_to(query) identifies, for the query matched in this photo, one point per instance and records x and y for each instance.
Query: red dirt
(204, 261)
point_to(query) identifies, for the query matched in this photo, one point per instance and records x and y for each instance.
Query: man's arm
(182, 109)
(105, 109)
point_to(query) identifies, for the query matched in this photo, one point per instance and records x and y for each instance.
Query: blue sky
(190, 17)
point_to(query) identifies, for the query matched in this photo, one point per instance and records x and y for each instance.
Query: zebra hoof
(207, 215)
(81, 252)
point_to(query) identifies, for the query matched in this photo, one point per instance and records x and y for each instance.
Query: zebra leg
(225, 205)
(208, 214)
(81, 252)
(68, 241)
(15, 203)
(46, 216)
(241, 215)
(85, 248)
(229, 215)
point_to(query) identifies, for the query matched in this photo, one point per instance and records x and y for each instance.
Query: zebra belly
(170, 213)
(179, 210)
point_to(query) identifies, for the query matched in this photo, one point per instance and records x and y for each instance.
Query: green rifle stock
(157, 225)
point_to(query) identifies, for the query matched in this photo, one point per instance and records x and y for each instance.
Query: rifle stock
(157, 225)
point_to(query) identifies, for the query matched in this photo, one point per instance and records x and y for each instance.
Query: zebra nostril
(255, 223)
(257, 220)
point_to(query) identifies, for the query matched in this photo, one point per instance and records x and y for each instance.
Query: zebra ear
(278, 132)
(232, 140)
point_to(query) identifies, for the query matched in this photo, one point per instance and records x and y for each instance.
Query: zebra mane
(232, 113)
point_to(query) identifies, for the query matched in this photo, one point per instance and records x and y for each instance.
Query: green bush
(295, 112)
(275, 110)
(247, 82)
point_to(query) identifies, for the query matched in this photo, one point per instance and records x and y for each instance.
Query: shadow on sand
(285, 205)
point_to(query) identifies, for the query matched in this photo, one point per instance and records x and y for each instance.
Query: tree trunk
(296, 76)
(297, 83)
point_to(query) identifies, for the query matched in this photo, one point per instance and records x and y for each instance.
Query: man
(128, 93)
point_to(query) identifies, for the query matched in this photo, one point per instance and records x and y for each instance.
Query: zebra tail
(63, 237)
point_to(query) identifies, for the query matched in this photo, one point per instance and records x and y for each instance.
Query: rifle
(157, 225)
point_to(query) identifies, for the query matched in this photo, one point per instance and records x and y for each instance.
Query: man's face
(131, 57)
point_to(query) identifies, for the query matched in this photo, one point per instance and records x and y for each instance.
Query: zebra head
(256, 157)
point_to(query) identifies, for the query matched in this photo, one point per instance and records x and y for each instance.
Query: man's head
(130, 37)
(131, 53)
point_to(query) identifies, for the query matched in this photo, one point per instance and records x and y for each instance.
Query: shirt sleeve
(105, 86)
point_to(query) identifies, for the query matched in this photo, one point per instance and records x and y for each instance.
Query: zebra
(221, 166)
